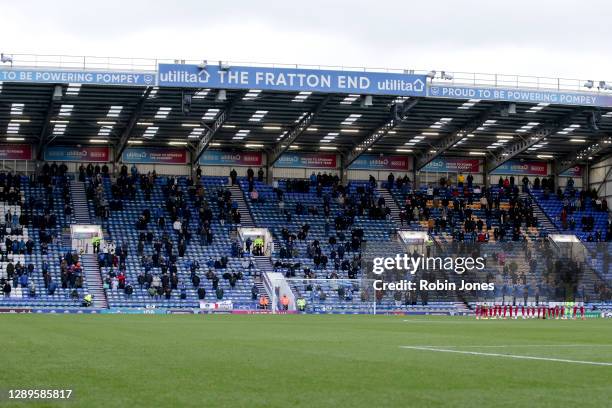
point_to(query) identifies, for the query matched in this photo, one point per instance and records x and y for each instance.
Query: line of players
(556, 310)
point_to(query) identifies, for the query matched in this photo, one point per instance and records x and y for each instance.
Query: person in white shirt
(483, 202)
(177, 225)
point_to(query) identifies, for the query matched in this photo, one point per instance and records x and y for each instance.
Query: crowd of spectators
(165, 232)
(338, 255)
(470, 215)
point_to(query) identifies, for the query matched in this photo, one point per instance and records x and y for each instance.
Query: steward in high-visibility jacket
(285, 302)
(95, 243)
(263, 302)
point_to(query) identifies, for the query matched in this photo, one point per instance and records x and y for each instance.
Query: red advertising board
(16, 152)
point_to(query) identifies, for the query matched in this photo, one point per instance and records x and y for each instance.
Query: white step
(238, 195)
(91, 269)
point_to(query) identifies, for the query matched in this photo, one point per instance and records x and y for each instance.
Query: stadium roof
(262, 119)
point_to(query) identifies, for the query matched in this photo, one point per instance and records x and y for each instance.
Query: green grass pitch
(305, 361)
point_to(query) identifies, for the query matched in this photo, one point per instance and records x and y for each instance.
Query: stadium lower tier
(156, 256)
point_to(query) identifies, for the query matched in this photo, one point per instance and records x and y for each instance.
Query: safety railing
(437, 77)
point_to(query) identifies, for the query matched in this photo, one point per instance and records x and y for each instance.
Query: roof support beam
(398, 114)
(296, 131)
(604, 181)
(530, 139)
(211, 131)
(125, 135)
(45, 126)
(583, 154)
(452, 139)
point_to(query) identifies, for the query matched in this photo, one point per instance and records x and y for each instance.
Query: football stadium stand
(162, 194)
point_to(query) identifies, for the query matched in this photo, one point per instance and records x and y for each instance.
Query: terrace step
(246, 219)
(91, 270)
(393, 206)
(79, 200)
(264, 264)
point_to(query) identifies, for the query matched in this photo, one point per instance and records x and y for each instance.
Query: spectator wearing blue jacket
(52, 287)
(313, 179)
(23, 280)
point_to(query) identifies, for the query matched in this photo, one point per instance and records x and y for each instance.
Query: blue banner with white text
(154, 155)
(521, 95)
(221, 158)
(522, 167)
(59, 76)
(382, 162)
(290, 79)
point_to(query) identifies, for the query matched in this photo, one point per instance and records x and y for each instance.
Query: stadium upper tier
(54, 100)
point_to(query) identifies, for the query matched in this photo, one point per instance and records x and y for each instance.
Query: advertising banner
(382, 162)
(154, 155)
(291, 79)
(453, 165)
(221, 306)
(524, 168)
(520, 95)
(575, 171)
(221, 158)
(16, 152)
(55, 76)
(311, 160)
(95, 154)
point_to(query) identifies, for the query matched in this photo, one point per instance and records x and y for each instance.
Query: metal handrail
(151, 64)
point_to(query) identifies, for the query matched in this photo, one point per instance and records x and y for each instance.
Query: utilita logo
(182, 76)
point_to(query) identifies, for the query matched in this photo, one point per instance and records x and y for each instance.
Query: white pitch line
(521, 345)
(476, 353)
